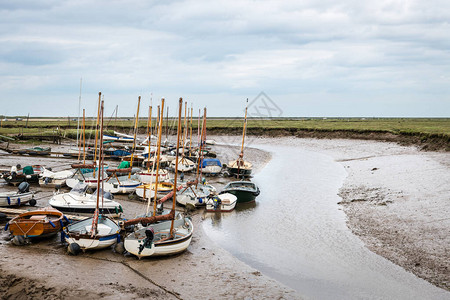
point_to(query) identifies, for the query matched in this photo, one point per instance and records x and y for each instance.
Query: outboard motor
(24, 187)
(159, 209)
(150, 234)
(216, 202)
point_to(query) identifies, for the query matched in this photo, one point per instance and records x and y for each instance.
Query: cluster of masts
(158, 231)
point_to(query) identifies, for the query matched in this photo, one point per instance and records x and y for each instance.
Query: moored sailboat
(96, 232)
(172, 234)
(239, 167)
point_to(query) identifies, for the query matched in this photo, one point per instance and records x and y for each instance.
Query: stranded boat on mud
(79, 201)
(38, 223)
(221, 203)
(240, 167)
(22, 196)
(245, 191)
(28, 174)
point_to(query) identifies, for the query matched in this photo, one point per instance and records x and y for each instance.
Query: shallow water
(296, 234)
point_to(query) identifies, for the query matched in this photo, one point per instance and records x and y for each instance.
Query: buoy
(119, 248)
(18, 240)
(73, 249)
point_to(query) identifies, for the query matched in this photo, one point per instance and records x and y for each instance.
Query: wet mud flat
(396, 200)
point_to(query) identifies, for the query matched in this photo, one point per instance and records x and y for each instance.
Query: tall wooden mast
(149, 126)
(134, 140)
(96, 130)
(99, 181)
(158, 154)
(180, 104)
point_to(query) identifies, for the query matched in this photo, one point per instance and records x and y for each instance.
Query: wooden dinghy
(38, 223)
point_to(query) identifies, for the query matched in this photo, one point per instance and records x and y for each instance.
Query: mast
(184, 131)
(180, 104)
(200, 152)
(198, 129)
(240, 160)
(96, 130)
(134, 140)
(115, 120)
(167, 127)
(84, 138)
(243, 131)
(78, 123)
(190, 139)
(149, 126)
(100, 159)
(158, 153)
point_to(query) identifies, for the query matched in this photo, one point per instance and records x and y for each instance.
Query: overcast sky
(310, 58)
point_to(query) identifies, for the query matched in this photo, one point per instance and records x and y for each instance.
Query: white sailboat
(96, 232)
(239, 167)
(172, 234)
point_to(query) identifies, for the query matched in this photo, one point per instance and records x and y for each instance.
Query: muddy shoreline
(395, 198)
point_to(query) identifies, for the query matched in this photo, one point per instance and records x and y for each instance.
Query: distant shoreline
(428, 134)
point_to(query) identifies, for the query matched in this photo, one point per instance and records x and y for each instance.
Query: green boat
(245, 191)
(38, 151)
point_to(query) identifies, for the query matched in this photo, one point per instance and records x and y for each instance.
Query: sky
(291, 58)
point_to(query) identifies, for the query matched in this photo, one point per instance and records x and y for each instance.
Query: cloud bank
(313, 58)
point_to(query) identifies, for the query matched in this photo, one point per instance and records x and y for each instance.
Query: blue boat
(211, 166)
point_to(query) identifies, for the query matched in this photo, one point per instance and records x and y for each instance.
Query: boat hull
(135, 242)
(38, 223)
(227, 203)
(84, 204)
(245, 191)
(79, 233)
(239, 172)
(15, 199)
